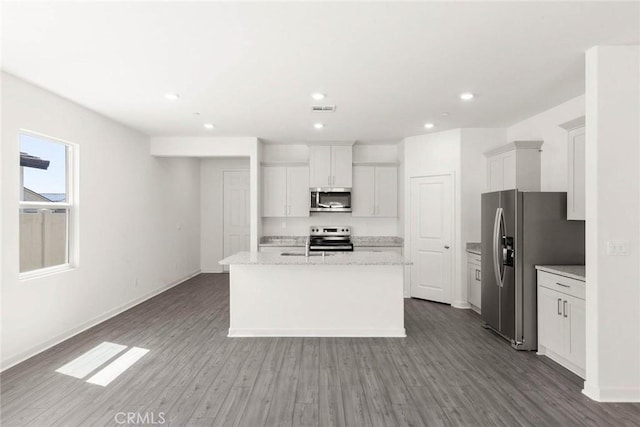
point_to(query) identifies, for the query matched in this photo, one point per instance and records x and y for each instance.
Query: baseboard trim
(612, 394)
(244, 333)
(464, 305)
(13, 361)
(212, 270)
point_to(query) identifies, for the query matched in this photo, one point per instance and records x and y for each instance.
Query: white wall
(475, 142)
(139, 223)
(546, 126)
(217, 147)
(362, 153)
(613, 213)
(212, 209)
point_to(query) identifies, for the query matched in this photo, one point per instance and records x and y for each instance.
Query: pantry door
(431, 237)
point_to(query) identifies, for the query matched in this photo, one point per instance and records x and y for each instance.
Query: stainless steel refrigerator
(519, 231)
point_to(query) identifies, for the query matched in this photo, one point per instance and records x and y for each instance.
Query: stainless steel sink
(302, 254)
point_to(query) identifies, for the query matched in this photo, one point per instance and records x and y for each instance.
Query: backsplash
(359, 226)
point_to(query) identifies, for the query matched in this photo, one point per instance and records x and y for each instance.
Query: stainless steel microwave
(330, 200)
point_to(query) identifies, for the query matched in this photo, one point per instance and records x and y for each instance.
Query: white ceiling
(250, 68)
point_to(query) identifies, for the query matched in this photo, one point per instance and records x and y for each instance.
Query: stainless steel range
(330, 238)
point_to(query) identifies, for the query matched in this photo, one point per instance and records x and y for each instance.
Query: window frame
(71, 206)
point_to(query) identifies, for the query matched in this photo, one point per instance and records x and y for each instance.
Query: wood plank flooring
(448, 371)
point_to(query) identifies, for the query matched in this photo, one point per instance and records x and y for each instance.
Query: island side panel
(316, 300)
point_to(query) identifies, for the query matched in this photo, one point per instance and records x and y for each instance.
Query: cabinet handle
(478, 275)
(559, 312)
(564, 286)
(564, 308)
(333, 182)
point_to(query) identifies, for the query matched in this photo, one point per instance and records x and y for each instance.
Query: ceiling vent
(323, 108)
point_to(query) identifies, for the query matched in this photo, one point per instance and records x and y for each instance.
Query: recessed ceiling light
(317, 96)
(318, 125)
(209, 126)
(466, 96)
(429, 125)
(172, 96)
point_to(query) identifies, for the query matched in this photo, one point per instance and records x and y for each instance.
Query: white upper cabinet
(330, 166)
(274, 191)
(375, 191)
(285, 191)
(386, 191)
(575, 169)
(363, 199)
(514, 166)
(298, 196)
(320, 166)
(341, 166)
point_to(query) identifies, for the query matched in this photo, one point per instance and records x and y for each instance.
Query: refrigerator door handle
(497, 245)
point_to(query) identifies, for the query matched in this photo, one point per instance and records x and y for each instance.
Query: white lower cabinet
(281, 249)
(396, 249)
(561, 321)
(474, 277)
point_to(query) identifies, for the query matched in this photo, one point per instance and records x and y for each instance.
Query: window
(46, 203)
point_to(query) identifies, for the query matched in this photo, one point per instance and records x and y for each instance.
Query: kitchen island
(345, 294)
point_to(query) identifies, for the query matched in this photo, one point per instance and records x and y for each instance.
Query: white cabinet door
(475, 286)
(509, 171)
(341, 166)
(386, 191)
(395, 249)
(320, 166)
(575, 330)
(298, 196)
(576, 175)
(495, 173)
(550, 320)
(363, 192)
(274, 191)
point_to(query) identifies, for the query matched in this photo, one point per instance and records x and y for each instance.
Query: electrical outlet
(618, 247)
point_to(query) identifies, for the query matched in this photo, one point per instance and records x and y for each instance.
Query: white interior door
(236, 212)
(431, 237)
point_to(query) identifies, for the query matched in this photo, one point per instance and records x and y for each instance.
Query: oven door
(330, 200)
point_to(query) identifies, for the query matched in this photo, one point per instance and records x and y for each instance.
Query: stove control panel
(342, 230)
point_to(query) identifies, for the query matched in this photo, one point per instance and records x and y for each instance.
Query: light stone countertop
(373, 241)
(474, 248)
(368, 241)
(335, 258)
(572, 271)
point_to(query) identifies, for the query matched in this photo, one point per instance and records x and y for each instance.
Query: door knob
(446, 247)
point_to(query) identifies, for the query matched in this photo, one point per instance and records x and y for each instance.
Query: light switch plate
(618, 247)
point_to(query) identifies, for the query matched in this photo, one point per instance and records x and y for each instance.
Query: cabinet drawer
(565, 285)
(474, 258)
